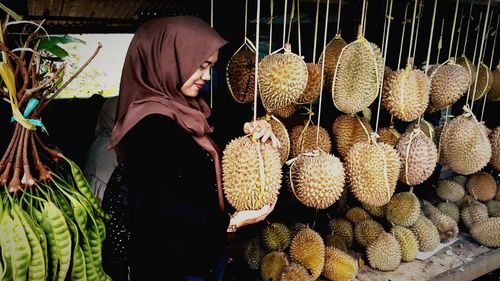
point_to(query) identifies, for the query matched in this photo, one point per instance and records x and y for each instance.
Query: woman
(170, 164)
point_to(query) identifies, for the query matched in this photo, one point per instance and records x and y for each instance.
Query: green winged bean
(62, 237)
(21, 251)
(36, 269)
(6, 243)
(90, 268)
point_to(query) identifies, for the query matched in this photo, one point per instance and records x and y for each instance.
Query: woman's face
(202, 74)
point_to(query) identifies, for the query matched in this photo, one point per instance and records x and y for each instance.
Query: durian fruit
(253, 252)
(460, 179)
(311, 92)
(418, 156)
(295, 272)
(484, 82)
(403, 209)
(276, 236)
(428, 208)
(296, 227)
(308, 249)
(357, 214)
(407, 241)
(304, 139)
(372, 170)
(388, 135)
(406, 93)
(448, 190)
(465, 145)
(240, 74)
(495, 148)
(335, 241)
(318, 179)
(473, 213)
(376, 211)
(494, 94)
(471, 68)
(272, 265)
(286, 111)
(339, 266)
(426, 127)
(487, 232)
(282, 79)
(464, 202)
(426, 233)
(450, 209)
(384, 253)
(281, 132)
(358, 76)
(367, 231)
(446, 226)
(344, 229)
(242, 163)
(443, 92)
(332, 51)
(493, 208)
(482, 186)
(348, 130)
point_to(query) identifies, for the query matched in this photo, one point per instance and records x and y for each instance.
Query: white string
(453, 30)
(338, 17)
(480, 52)
(271, 27)
(430, 38)
(412, 29)
(474, 55)
(257, 35)
(402, 36)
(468, 25)
(418, 29)
(384, 58)
(298, 28)
(211, 69)
(322, 71)
(385, 24)
(364, 20)
(494, 43)
(440, 43)
(246, 12)
(315, 32)
(284, 24)
(459, 32)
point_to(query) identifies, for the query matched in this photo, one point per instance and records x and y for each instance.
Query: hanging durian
(494, 94)
(358, 76)
(495, 148)
(317, 178)
(282, 79)
(484, 82)
(426, 127)
(348, 130)
(240, 73)
(332, 51)
(444, 92)
(471, 68)
(281, 132)
(287, 111)
(311, 92)
(304, 139)
(388, 135)
(251, 173)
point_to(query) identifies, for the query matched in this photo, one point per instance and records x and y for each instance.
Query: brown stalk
(4, 178)
(11, 144)
(27, 179)
(46, 83)
(24, 71)
(15, 182)
(26, 44)
(54, 155)
(44, 174)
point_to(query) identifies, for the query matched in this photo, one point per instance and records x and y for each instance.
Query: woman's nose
(206, 74)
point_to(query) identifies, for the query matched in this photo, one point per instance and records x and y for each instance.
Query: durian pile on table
(361, 199)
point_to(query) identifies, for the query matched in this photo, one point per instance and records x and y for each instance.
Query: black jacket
(176, 227)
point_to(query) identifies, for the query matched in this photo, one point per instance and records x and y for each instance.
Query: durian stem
(479, 62)
(411, 189)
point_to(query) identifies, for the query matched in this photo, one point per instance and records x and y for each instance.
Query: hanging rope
(491, 66)
(402, 36)
(385, 23)
(440, 42)
(364, 18)
(453, 30)
(298, 28)
(481, 50)
(389, 18)
(315, 32)
(284, 24)
(257, 35)
(474, 54)
(486, 39)
(417, 30)
(270, 27)
(322, 71)
(363, 10)
(211, 69)
(468, 25)
(459, 32)
(338, 17)
(246, 19)
(412, 29)
(292, 15)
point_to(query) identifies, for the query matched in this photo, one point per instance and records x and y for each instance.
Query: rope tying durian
(402, 36)
(270, 26)
(364, 127)
(211, 69)
(374, 137)
(292, 15)
(468, 113)
(292, 161)
(491, 65)
(257, 35)
(315, 32)
(322, 71)
(440, 42)
(261, 170)
(473, 57)
(459, 31)
(338, 17)
(298, 28)
(453, 29)
(420, 6)
(414, 133)
(467, 29)
(385, 23)
(284, 23)
(412, 29)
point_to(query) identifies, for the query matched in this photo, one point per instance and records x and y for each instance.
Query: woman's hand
(243, 218)
(261, 129)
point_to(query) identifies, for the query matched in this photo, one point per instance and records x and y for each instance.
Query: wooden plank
(463, 260)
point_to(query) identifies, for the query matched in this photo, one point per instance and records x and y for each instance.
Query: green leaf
(47, 43)
(58, 51)
(10, 12)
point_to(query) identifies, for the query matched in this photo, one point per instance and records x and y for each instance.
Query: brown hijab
(162, 56)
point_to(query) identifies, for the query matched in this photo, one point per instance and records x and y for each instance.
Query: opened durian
(384, 253)
(484, 82)
(276, 236)
(332, 50)
(358, 76)
(240, 74)
(418, 156)
(495, 148)
(494, 94)
(444, 92)
(304, 139)
(339, 266)
(282, 79)
(251, 173)
(272, 266)
(451, 191)
(406, 93)
(311, 92)
(308, 249)
(367, 231)
(407, 241)
(465, 145)
(482, 186)
(426, 233)
(487, 232)
(348, 130)
(403, 209)
(357, 214)
(388, 135)
(295, 272)
(372, 171)
(318, 179)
